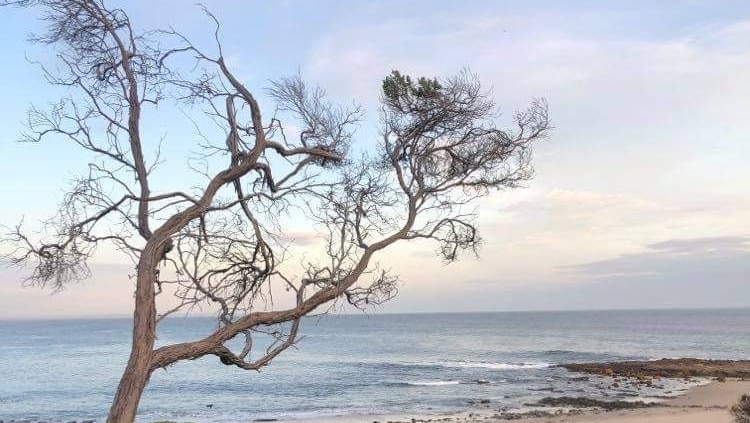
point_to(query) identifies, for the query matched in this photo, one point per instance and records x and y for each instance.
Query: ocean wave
(446, 382)
(494, 366)
(432, 382)
(461, 364)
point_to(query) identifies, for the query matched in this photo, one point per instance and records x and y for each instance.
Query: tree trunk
(138, 370)
(132, 384)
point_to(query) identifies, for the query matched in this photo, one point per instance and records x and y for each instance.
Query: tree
(222, 245)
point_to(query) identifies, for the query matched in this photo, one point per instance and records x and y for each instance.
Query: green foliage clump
(396, 86)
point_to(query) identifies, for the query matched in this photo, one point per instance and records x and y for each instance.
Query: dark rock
(584, 402)
(666, 367)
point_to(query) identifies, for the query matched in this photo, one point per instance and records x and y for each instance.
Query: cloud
(629, 110)
(735, 36)
(568, 223)
(674, 273)
(708, 260)
(596, 218)
(301, 238)
(577, 204)
(109, 292)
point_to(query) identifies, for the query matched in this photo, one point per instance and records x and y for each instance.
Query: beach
(707, 403)
(702, 404)
(708, 400)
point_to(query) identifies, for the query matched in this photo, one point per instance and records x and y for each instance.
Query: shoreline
(706, 403)
(717, 386)
(701, 404)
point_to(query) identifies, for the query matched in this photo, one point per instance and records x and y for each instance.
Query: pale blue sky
(641, 197)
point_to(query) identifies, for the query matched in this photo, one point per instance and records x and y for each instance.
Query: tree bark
(129, 391)
(138, 370)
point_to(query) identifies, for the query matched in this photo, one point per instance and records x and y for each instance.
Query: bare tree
(222, 245)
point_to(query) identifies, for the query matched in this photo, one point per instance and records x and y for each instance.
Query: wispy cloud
(708, 260)
(301, 238)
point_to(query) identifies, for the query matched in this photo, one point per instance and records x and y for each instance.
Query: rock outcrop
(666, 367)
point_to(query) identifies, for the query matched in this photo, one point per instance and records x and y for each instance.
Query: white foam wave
(433, 382)
(461, 364)
(494, 366)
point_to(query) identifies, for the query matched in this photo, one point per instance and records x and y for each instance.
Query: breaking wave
(433, 382)
(494, 366)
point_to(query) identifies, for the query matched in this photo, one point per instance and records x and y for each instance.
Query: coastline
(707, 403)
(715, 385)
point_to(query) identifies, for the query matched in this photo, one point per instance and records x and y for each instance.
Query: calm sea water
(354, 365)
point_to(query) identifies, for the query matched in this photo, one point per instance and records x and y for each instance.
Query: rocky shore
(667, 368)
(708, 403)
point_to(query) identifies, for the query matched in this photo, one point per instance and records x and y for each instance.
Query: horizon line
(407, 313)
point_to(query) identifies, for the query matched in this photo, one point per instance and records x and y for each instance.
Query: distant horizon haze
(377, 312)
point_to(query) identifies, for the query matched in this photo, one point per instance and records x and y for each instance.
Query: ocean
(354, 366)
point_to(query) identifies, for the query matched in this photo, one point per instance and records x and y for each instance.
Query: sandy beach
(702, 404)
(707, 403)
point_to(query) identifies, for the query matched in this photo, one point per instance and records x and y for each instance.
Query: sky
(641, 197)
